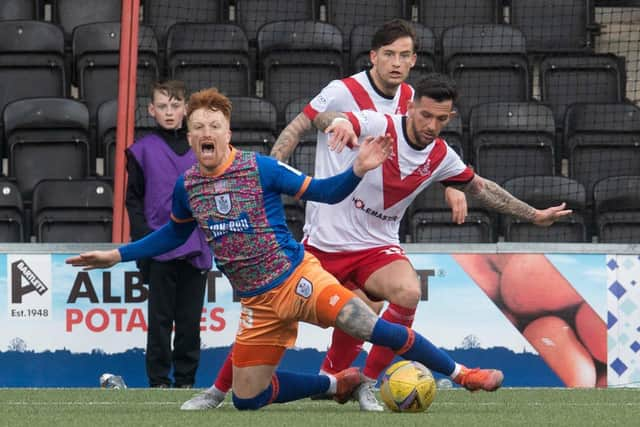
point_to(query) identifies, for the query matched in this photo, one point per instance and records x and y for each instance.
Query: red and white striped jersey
(370, 216)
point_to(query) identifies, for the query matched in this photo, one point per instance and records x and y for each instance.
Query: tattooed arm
(290, 137)
(491, 195)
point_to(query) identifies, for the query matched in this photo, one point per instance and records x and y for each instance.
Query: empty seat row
(62, 211)
(297, 58)
(567, 26)
(615, 218)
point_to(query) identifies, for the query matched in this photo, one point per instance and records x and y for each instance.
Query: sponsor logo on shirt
(361, 205)
(236, 225)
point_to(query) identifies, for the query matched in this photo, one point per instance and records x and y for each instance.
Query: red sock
(380, 357)
(225, 374)
(343, 351)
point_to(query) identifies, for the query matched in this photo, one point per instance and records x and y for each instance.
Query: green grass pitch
(154, 407)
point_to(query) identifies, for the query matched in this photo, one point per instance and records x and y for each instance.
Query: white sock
(215, 391)
(323, 372)
(333, 384)
(456, 371)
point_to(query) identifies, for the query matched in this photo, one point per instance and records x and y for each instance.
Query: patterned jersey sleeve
(180, 208)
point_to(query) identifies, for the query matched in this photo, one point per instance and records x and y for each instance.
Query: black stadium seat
(442, 14)
(20, 9)
(205, 55)
(430, 220)
(253, 123)
(253, 14)
(96, 53)
(488, 63)
(565, 27)
(47, 138)
(11, 213)
(617, 209)
(542, 192)
(565, 80)
(346, 14)
(298, 58)
(72, 211)
(69, 14)
(602, 140)
(162, 14)
(511, 139)
(31, 61)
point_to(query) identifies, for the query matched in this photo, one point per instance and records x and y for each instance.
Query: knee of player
(250, 404)
(407, 296)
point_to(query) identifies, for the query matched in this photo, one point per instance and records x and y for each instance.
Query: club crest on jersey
(223, 203)
(425, 168)
(304, 288)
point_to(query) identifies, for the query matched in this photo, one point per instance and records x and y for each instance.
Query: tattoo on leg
(357, 319)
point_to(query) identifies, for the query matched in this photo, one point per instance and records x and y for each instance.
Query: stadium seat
(46, 138)
(488, 63)
(346, 14)
(162, 14)
(72, 211)
(106, 134)
(70, 14)
(453, 134)
(96, 53)
(430, 220)
(11, 211)
(31, 61)
(563, 26)
(298, 59)
(542, 192)
(303, 157)
(253, 14)
(204, 55)
(602, 140)
(617, 209)
(441, 14)
(565, 80)
(294, 215)
(20, 9)
(360, 46)
(253, 124)
(511, 139)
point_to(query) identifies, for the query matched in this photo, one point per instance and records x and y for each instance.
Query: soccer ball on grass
(408, 387)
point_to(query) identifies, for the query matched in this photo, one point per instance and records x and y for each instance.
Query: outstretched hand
(95, 259)
(341, 134)
(372, 152)
(550, 215)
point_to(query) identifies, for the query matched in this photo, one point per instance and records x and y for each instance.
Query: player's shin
(285, 387)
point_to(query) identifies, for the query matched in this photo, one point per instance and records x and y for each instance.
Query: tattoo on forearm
(495, 197)
(289, 137)
(357, 319)
(323, 120)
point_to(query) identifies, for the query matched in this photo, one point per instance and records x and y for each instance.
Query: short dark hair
(171, 88)
(392, 31)
(436, 86)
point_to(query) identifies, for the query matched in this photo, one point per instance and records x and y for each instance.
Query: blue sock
(294, 386)
(421, 350)
(285, 387)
